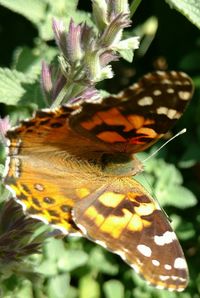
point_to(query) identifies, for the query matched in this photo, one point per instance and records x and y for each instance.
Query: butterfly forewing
(138, 116)
(125, 219)
(45, 169)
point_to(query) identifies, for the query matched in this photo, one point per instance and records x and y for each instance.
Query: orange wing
(46, 169)
(125, 219)
(137, 117)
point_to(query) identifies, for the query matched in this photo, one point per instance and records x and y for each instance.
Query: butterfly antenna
(172, 138)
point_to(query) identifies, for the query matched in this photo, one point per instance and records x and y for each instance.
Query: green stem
(60, 96)
(134, 6)
(68, 91)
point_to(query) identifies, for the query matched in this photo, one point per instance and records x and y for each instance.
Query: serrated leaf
(167, 174)
(72, 259)
(11, 85)
(113, 288)
(34, 11)
(177, 196)
(189, 8)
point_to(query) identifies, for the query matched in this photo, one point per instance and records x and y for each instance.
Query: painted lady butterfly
(71, 167)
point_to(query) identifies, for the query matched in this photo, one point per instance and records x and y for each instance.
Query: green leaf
(167, 174)
(1, 169)
(25, 290)
(72, 259)
(4, 193)
(34, 11)
(177, 196)
(65, 15)
(27, 61)
(184, 229)
(113, 288)
(191, 61)
(48, 268)
(11, 85)
(54, 248)
(62, 5)
(58, 286)
(127, 55)
(189, 8)
(191, 156)
(89, 288)
(99, 262)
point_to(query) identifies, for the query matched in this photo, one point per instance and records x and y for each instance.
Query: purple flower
(4, 127)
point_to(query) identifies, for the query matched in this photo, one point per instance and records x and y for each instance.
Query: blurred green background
(70, 268)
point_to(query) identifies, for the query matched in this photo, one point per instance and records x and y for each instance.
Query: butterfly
(72, 167)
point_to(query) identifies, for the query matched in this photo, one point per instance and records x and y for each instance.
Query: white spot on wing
(160, 287)
(173, 114)
(156, 263)
(184, 95)
(17, 167)
(160, 73)
(183, 74)
(145, 101)
(170, 113)
(144, 250)
(170, 90)
(39, 187)
(162, 110)
(166, 81)
(164, 277)
(180, 263)
(157, 92)
(174, 73)
(180, 289)
(7, 166)
(168, 267)
(134, 86)
(166, 238)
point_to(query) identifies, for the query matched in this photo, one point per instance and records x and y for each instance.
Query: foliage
(70, 268)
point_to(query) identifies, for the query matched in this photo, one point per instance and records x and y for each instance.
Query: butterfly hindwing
(125, 219)
(137, 117)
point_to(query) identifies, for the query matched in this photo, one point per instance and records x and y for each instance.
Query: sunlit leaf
(189, 8)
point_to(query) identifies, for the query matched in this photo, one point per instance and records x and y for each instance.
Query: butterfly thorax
(121, 164)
